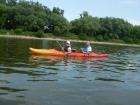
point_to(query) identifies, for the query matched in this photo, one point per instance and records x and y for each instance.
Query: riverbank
(32, 37)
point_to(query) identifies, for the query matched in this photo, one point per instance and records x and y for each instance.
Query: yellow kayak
(55, 52)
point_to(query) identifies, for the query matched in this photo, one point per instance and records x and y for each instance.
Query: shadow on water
(108, 79)
(12, 89)
(18, 102)
(17, 70)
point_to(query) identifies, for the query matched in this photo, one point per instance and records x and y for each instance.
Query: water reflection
(67, 60)
(86, 62)
(42, 59)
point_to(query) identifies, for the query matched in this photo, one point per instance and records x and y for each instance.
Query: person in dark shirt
(67, 48)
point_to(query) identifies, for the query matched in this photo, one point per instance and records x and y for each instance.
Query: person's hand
(65, 52)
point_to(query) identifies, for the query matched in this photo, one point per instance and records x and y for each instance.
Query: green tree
(82, 36)
(136, 32)
(11, 2)
(30, 16)
(58, 24)
(58, 11)
(85, 13)
(3, 2)
(128, 40)
(3, 16)
(40, 34)
(86, 24)
(22, 15)
(114, 28)
(99, 38)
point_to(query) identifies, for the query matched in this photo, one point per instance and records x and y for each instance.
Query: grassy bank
(50, 36)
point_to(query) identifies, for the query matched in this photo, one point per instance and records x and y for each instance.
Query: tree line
(28, 16)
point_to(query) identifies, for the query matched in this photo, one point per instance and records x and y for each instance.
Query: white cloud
(134, 22)
(130, 2)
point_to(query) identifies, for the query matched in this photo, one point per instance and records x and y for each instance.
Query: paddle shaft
(60, 45)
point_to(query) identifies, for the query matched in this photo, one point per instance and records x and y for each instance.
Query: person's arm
(82, 50)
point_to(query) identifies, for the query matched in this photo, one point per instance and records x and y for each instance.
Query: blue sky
(126, 9)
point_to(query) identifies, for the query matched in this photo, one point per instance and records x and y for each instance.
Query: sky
(129, 10)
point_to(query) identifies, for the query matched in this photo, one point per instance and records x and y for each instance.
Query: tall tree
(58, 11)
(27, 15)
(58, 24)
(11, 2)
(3, 2)
(87, 25)
(85, 13)
(3, 15)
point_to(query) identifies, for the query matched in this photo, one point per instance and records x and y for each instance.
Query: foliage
(136, 41)
(3, 2)
(3, 31)
(85, 24)
(128, 40)
(3, 16)
(33, 18)
(82, 36)
(11, 32)
(106, 37)
(18, 31)
(39, 34)
(58, 24)
(99, 38)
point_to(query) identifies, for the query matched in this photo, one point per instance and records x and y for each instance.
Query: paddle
(60, 45)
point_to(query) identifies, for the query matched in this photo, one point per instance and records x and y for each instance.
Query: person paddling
(87, 49)
(67, 48)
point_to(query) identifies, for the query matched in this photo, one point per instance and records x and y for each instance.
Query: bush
(99, 38)
(82, 36)
(47, 35)
(18, 31)
(128, 40)
(11, 32)
(106, 37)
(3, 31)
(115, 36)
(136, 40)
(39, 34)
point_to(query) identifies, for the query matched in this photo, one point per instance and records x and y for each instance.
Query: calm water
(27, 79)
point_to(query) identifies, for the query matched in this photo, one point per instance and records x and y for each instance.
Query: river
(27, 79)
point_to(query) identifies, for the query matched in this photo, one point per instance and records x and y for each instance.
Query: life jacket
(66, 48)
(86, 49)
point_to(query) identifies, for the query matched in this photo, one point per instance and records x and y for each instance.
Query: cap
(68, 42)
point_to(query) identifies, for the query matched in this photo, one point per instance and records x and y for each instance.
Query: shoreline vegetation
(72, 40)
(33, 19)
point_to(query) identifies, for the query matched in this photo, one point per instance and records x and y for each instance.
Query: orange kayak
(55, 52)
